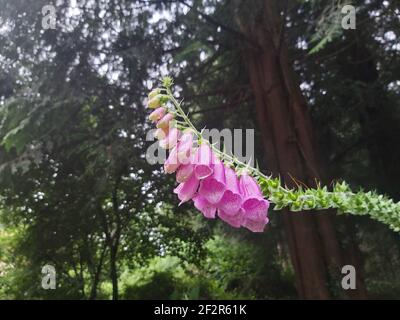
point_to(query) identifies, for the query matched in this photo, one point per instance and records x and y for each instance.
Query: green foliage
(233, 269)
(247, 270)
(328, 26)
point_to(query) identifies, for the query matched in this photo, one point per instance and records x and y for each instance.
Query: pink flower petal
(233, 220)
(203, 171)
(249, 186)
(212, 190)
(213, 187)
(171, 140)
(206, 208)
(255, 208)
(187, 137)
(187, 190)
(185, 148)
(231, 200)
(232, 181)
(203, 167)
(184, 172)
(172, 163)
(255, 226)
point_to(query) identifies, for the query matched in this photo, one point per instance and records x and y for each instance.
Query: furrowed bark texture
(290, 149)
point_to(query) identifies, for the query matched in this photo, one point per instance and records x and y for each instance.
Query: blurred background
(77, 193)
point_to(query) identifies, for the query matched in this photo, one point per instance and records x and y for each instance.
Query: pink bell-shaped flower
(203, 162)
(205, 207)
(254, 205)
(212, 188)
(231, 200)
(184, 172)
(172, 163)
(235, 220)
(187, 189)
(185, 147)
(255, 226)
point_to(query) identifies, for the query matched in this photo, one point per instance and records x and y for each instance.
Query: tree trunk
(290, 151)
(283, 157)
(96, 276)
(112, 242)
(114, 272)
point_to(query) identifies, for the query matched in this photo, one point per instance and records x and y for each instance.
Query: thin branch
(237, 104)
(216, 23)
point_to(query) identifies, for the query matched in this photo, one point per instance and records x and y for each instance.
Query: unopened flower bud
(153, 93)
(165, 121)
(161, 134)
(157, 114)
(171, 140)
(154, 102)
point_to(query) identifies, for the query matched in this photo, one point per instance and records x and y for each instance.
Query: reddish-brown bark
(290, 151)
